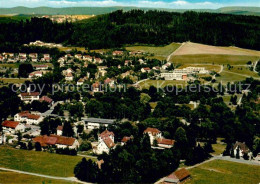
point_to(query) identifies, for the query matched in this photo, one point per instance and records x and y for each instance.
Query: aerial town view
(116, 91)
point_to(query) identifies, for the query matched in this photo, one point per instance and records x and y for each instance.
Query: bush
(38, 146)
(245, 156)
(66, 151)
(85, 146)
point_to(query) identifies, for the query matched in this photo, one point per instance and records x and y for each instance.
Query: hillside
(138, 27)
(103, 10)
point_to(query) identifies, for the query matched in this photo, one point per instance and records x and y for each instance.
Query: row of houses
(22, 57)
(106, 141)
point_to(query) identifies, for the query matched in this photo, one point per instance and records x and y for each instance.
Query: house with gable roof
(12, 127)
(179, 176)
(155, 136)
(58, 141)
(105, 142)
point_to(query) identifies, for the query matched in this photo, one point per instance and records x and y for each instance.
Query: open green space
(213, 59)
(38, 162)
(160, 52)
(17, 178)
(162, 83)
(224, 172)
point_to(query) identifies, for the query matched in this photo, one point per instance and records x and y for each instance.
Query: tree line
(137, 26)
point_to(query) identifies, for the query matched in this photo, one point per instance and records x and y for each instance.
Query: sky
(174, 4)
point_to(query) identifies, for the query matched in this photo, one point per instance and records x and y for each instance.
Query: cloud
(175, 4)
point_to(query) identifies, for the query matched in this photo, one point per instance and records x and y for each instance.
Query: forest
(137, 27)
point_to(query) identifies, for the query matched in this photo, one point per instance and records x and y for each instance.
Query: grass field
(16, 65)
(219, 147)
(159, 52)
(244, 70)
(162, 83)
(224, 172)
(17, 178)
(13, 80)
(228, 77)
(213, 59)
(38, 162)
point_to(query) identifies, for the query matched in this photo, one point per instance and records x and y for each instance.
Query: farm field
(223, 172)
(38, 162)
(17, 178)
(162, 83)
(159, 52)
(190, 48)
(213, 59)
(199, 53)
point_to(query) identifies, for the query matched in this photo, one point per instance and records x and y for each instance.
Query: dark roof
(242, 146)
(98, 120)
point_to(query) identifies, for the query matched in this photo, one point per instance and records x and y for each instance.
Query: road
(169, 57)
(248, 76)
(241, 160)
(72, 179)
(254, 68)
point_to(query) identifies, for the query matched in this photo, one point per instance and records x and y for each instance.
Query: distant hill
(103, 10)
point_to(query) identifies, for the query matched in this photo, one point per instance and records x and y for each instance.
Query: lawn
(244, 70)
(17, 178)
(162, 83)
(225, 172)
(16, 65)
(38, 162)
(218, 148)
(9, 65)
(226, 77)
(213, 59)
(159, 52)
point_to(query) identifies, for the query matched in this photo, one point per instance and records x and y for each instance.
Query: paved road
(72, 179)
(241, 160)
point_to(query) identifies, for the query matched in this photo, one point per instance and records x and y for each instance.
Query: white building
(155, 136)
(12, 127)
(30, 119)
(174, 76)
(241, 148)
(58, 141)
(105, 142)
(36, 74)
(29, 96)
(59, 130)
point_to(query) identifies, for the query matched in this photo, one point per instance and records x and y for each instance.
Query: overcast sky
(175, 4)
